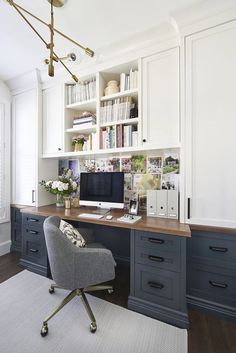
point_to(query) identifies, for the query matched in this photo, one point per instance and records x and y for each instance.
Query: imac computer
(102, 190)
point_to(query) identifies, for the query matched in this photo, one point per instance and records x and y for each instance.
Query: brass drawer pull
(34, 250)
(156, 258)
(32, 220)
(218, 285)
(156, 285)
(156, 241)
(218, 249)
(32, 231)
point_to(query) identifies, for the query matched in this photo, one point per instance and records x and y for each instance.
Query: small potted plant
(78, 142)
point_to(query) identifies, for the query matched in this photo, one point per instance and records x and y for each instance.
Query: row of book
(115, 110)
(118, 136)
(129, 81)
(81, 91)
(84, 121)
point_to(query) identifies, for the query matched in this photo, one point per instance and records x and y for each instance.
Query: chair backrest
(60, 253)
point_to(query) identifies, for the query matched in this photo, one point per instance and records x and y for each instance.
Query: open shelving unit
(75, 109)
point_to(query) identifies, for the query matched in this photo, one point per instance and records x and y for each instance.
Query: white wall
(5, 235)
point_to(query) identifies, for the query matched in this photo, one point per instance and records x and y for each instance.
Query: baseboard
(39, 269)
(170, 316)
(213, 308)
(5, 247)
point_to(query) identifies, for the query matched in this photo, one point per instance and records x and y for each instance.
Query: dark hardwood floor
(207, 334)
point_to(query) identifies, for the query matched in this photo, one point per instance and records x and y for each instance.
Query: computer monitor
(104, 190)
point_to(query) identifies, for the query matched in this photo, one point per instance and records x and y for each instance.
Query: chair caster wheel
(44, 330)
(93, 327)
(110, 291)
(51, 290)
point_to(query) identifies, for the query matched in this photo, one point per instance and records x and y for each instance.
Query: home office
(145, 121)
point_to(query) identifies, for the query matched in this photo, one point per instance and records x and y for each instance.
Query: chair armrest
(93, 266)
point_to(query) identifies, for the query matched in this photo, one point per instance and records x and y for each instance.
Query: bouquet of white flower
(64, 186)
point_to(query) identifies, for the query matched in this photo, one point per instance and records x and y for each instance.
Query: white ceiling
(94, 24)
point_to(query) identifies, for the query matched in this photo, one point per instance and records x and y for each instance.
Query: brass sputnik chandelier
(52, 56)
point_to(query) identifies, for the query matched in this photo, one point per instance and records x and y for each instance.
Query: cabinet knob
(144, 140)
(59, 149)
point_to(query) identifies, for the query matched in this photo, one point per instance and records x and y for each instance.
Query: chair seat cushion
(72, 234)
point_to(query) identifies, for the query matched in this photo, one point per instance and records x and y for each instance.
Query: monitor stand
(102, 211)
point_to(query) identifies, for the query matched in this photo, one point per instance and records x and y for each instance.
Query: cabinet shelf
(114, 151)
(129, 93)
(85, 105)
(85, 130)
(133, 121)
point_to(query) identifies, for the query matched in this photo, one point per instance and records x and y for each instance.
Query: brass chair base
(68, 298)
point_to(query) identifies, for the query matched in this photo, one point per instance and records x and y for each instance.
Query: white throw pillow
(73, 234)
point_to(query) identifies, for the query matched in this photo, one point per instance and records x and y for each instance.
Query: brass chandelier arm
(51, 27)
(27, 21)
(75, 78)
(48, 46)
(88, 51)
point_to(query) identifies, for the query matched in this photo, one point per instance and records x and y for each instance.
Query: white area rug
(25, 302)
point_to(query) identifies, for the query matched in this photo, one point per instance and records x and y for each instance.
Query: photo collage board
(141, 173)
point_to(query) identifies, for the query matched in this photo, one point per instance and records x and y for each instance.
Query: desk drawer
(157, 286)
(157, 259)
(158, 241)
(34, 251)
(33, 233)
(214, 248)
(33, 221)
(205, 282)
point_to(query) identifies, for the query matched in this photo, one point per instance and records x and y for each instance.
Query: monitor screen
(96, 188)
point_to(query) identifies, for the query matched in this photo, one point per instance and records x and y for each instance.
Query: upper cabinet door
(160, 116)
(24, 147)
(53, 120)
(211, 126)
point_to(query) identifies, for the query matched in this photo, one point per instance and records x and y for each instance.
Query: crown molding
(203, 15)
(24, 82)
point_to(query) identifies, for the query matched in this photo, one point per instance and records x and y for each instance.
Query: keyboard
(90, 215)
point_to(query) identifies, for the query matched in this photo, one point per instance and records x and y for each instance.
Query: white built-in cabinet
(28, 168)
(155, 94)
(210, 126)
(24, 147)
(53, 105)
(160, 99)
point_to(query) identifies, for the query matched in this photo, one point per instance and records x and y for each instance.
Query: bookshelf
(119, 125)
(80, 113)
(115, 115)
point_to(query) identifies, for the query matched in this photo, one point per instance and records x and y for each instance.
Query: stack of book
(118, 136)
(129, 81)
(115, 110)
(81, 91)
(86, 120)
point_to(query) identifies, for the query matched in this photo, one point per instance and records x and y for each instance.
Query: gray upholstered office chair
(76, 269)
